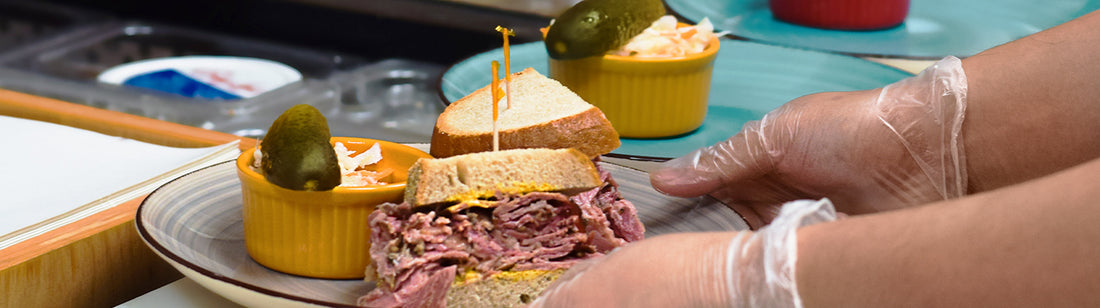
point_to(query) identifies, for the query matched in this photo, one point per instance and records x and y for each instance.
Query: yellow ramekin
(321, 234)
(643, 97)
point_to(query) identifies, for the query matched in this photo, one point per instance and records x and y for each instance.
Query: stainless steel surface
(523, 16)
(389, 98)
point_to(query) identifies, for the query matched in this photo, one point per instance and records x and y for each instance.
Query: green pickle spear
(296, 151)
(594, 27)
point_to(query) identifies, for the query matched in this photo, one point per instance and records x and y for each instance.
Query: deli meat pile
(418, 254)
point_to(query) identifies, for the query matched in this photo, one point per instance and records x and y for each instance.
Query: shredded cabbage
(350, 176)
(664, 39)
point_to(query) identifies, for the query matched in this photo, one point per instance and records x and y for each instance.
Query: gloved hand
(719, 269)
(868, 151)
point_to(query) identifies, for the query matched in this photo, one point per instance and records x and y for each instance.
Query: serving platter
(749, 80)
(932, 29)
(194, 222)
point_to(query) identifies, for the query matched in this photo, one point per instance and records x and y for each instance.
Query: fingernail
(688, 160)
(666, 175)
(675, 168)
(673, 178)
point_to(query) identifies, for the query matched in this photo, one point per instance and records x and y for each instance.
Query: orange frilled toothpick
(505, 33)
(495, 85)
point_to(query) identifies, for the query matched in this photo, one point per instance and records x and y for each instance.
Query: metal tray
(26, 22)
(392, 99)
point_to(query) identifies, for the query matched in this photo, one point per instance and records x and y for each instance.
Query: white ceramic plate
(194, 222)
(244, 77)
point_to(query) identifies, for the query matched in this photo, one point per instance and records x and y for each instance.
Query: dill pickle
(296, 151)
(594, 27)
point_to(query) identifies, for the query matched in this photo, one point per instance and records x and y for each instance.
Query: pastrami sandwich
(483, 228)
(493, 229)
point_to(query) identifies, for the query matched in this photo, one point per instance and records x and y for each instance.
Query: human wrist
(760, 270)
(926, 113)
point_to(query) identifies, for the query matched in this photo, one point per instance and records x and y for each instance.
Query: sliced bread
(480, 175)
(543, 114)
(507, 289)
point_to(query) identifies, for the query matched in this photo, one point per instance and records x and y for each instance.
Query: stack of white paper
(51, 175)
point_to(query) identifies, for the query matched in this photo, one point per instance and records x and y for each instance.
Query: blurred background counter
(372, 67)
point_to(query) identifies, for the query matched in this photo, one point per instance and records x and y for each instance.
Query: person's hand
(746, 269)
(867, 151)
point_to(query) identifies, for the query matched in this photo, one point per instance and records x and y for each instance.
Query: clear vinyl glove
(719, 269)
(867, 151)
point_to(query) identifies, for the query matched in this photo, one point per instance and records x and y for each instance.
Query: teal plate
(749, 80)
(933, 29)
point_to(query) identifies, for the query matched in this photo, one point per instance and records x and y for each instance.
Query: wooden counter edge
(98, 261)
(21, 105)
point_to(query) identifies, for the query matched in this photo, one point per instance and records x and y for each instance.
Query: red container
(841, 14)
